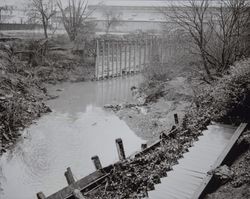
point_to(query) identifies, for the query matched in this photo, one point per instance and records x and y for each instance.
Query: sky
(22, 2)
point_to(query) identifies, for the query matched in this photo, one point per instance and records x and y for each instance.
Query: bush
(227, 99)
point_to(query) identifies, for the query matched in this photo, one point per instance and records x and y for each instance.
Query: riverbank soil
(26, 66)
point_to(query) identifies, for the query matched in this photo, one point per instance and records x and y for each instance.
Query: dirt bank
(155, 110)
(24, 73)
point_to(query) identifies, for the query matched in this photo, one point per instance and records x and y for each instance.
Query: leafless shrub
(41, 11)
(74, 17)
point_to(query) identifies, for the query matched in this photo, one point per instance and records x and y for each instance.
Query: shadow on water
(77, 129)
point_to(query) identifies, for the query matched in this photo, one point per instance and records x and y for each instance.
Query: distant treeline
(19, 26)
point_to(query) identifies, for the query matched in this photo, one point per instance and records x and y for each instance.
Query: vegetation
(219, 31)
(41, 11)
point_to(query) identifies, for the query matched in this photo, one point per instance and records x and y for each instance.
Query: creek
(77, 129)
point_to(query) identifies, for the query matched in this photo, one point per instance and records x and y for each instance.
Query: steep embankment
(24, 70)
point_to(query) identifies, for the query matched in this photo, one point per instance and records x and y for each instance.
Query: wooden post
(135, 48)
(161, 55)
(97, 162)
(176, 119)
(103, 58)
(129, 58)
(69, 176)
(145, 53)
(121, 58)
(108, 60)
(116, 66)
(77, 194)
(139, 49)
(120, 149)
(126, 57)
(143, 146)
(112, 58)
(40, 195)
(97, 59)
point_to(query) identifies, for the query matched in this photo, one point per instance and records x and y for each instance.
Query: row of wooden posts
(98, 166)
(122, 57)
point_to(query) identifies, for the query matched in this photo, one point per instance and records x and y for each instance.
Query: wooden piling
(135, 48)
(125, 56)
(116, 54)
(69, 176)
(139, 49)
(40, 195)
(103, 58)
(97, 59)
(129, 58)
(112, 58)
(176, 119)
(97, 162)
(108, 52)
(120, 50)
(120, 149)
(145, 53)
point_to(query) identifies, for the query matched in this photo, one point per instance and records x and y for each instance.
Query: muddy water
(77, 129)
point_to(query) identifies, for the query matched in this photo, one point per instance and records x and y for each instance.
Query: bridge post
(120, 149)
(97, 162)
(40, 195)
(69, 176)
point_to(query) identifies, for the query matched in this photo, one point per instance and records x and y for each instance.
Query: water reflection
(77, 129)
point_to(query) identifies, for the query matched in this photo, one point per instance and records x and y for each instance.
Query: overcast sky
(22, 2)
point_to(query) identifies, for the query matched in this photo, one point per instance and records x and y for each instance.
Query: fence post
(120, 149)
(116, 66)
(97, 59)
(129, 58)
(176, 119)
(121, 43)
(103, 57)
(112, 58)
(139, 49)
(108, 52)
(40, 195)
(126, 56)
(97, 162)
(69, 176)
(135, 49)
(145, 53)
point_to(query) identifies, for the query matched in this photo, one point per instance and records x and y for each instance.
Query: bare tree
(112, 18)
(41, 11)
(217, 30)
(7, 9)
(74, 16)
